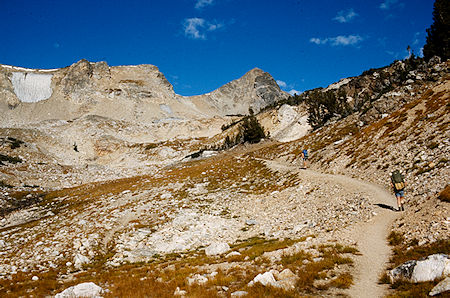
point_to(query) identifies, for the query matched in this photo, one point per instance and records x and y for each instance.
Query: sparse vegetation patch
(10, 159)
(222, 275)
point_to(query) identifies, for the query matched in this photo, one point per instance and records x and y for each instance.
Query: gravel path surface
(370, 236)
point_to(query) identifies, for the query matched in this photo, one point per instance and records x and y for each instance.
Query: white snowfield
(32, 87)
(28, 69)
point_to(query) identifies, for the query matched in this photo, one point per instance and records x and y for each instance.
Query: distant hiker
(398, 184)
(75, 147)
(305, 158)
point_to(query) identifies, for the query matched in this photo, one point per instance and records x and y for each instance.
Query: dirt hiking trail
(370, 236)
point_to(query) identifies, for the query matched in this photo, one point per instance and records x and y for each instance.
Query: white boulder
(209, 153)
(233, 253)
(217, 248)
(179, 292)
(431, 268)
(287, 279)
(239, 294)
(80, 260)
(87, 289)
(266, 279)
(441, 287)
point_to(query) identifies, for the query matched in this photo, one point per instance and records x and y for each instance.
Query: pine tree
(438, 34)
(251, 129)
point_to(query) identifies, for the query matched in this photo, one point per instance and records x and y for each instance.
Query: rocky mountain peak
(133, 93)
(256, 89)
(254, 71)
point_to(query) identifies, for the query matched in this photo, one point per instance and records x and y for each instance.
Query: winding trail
(370, 236)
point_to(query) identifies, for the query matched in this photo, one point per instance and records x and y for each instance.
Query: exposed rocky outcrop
(377, 92)
(8, 99)
(87, 289)
(431, 268)
(256, 89)
(131, 93)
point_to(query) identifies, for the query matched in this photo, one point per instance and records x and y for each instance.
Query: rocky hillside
(119, 121)
(406, 128)
(256, 89)
(125, 204)
(131, 93)
(375, 93)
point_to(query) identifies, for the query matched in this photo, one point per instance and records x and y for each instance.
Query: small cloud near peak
(317, 40)
(199, 4)
(281, 84)
(346, 40)
(388, 4)
(285, 86)
(345, 16)
(294, 92)
(196, 28)
(192, 28)
(341, 40)
(212, 27)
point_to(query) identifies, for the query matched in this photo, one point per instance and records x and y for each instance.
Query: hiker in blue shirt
(305, 158)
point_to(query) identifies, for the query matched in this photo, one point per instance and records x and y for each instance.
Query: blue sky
(200, 45)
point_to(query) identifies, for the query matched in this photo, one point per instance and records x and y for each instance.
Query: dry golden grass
(406, 289)
(343, 281)
(415, 252)
(295, 260)
(255, 247)
(21, 284)
(225, 279)
(394, 128)
(150, 279)
(395, 238)
(222, 172)
(308, 271)
(259, 290)
(161, 277)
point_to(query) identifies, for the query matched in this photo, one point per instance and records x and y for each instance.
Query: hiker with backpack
(398, 184)
(305, 158)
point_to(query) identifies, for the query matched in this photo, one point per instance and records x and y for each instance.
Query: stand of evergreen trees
(438, 34)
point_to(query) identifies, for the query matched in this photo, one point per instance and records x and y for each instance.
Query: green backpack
(397, 180)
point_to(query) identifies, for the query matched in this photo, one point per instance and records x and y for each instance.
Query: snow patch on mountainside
(28, 69)
(32, 87)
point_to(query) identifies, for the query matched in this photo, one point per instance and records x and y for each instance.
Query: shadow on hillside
(386, 207)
